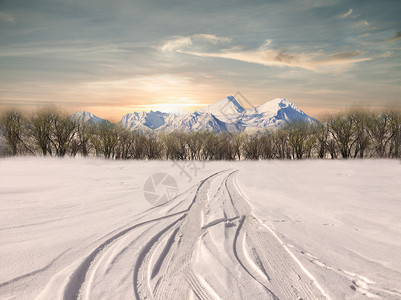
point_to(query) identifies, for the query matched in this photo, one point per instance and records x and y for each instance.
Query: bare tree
(322, 140)
(124, 142)
(251, 147)
(74, 147)
(41, 128)
(137, 148)
(395, 134)
(361, 138)
(195, 144)
(379, 131)
(3, 150)
(266, 146)
(225, 148)
(238, 142)
(281, 144)
(153, 147)
(105, 139)
(342, 130)
(209, 146)
(11, 129)
(301, 139)
(64, 130)
(175, 145)
(83, 136)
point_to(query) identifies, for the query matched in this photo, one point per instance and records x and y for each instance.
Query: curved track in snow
(204, 244)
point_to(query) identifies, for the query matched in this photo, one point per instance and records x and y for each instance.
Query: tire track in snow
(77, 279)
(278, 242)
(267, 253)
(188, 231)
(242, 261)
(205, 243)
(82, 275)
(200, 261)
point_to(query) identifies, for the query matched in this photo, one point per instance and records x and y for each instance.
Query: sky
(120, 56)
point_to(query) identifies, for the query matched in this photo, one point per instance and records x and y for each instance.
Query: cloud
(176, 43)
(364, 35)
(212, 38)
(396, 37)
(345, 55)
(341, 59)
(267, 56)
(361, 24)
(6, 18)
(180, 41)
(347, 14)
(384, 55)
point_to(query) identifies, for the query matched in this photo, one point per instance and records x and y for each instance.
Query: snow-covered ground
(236, 230)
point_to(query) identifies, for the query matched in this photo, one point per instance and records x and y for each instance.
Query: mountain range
(224, 115)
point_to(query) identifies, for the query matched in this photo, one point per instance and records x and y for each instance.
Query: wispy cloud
(341, 60)
(178, 42)
(361, 24)
(347, 14)
(384, 55)
(364, 35)
(6, 18)
(267, 56)
(396, 37)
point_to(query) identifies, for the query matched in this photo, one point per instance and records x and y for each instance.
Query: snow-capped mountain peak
(144, 120)
(86, 116)
(273, 106)
(274, 113)
(225, 109)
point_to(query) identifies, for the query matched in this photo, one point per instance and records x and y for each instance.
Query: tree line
(352, 134)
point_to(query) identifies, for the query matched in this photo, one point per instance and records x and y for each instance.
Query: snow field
(81, 228)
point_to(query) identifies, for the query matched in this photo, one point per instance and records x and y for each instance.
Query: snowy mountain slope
(224, 115)
(86, 116)
(198, 121)
(144, 120)
(275, 113)
(195, 121)
(227, 110)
